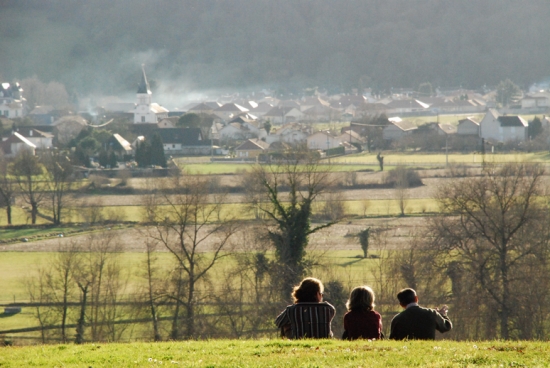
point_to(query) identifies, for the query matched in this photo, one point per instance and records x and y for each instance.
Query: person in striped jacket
(309, 316)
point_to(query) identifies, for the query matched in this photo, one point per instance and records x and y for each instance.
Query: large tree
(496, 230)
(157, 151)
(8, 188)
(59, 175)
(507, 92)
(29, 174)
(190, 223)
(290, 189)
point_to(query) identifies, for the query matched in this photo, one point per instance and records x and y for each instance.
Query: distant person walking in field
(362, 321)
(416, 322)
(309, 316)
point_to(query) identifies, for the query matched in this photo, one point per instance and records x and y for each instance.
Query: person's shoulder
(375, 313)
(399, 315)
(328, 305)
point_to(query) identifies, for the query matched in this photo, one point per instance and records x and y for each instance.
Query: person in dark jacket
(362, 321)
(416, 322)
(309, 316)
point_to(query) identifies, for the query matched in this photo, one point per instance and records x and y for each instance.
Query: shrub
(403, 177)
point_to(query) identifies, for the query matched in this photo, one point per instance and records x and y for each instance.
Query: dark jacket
(307, 320)
(418, 323)
(363, 325)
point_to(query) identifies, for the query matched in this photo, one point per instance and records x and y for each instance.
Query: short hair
(361, 299)
(307, 290)
(406, 296)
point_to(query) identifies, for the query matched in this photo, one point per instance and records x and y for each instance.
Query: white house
(351, 136)
(147, 112)
(11, 100)
(397, 129)
(235, 131)
(445, 129)
(536, 101)
(15, 144)
(323, 140)
(40, 139)
(503, 128)
(251, 148)
(283, 115)
(292, 133)
(168, 122)
(468, 126)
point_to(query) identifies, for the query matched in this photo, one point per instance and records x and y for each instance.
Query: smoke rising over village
(98, 46)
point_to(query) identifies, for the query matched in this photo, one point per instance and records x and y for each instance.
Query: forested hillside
(98, 45)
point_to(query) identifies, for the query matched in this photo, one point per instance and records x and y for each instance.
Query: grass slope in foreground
(281, 353)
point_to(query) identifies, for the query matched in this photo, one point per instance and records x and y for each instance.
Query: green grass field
(368, 161)
(420, 159)
(282, 353)
(134, 213)
(17, 268)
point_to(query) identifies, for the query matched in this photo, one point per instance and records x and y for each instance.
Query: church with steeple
(147, 112)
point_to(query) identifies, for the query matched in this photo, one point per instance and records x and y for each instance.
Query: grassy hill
(282, 353)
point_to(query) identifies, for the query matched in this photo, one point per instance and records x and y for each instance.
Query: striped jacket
(307, 320)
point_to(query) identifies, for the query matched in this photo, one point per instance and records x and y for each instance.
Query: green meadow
(368, 161)
(240, 211)
(16, 268)
(282, 353)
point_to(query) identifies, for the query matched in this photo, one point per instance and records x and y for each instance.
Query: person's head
(407, 296)
(361, 298)
(309, 290)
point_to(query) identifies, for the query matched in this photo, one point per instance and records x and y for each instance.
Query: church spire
(144, 85)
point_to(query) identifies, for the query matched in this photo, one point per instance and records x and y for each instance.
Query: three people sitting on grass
(310, 317)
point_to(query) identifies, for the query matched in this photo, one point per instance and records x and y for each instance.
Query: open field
(366, 160)
(281, 353)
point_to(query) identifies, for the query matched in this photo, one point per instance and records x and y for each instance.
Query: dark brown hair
(406, 296)
(307, 290)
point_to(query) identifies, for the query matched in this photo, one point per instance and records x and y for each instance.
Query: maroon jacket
(363, 325)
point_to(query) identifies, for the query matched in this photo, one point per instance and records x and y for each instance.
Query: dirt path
(338, 237)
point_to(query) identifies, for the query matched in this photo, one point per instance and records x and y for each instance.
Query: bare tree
(291, 187)
(8, 190)
(29, 175)
(400, 179)
(99, 278)
(497, 229)
(53, 288)
(153, 292)
(59, 174)
(195, 231)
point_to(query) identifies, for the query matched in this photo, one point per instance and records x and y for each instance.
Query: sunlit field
(280, 353)
(368, 161)
(239, 211)
(17, 268)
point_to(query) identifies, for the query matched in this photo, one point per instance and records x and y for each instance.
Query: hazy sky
(194, 47)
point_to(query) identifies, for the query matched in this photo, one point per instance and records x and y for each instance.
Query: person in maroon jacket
(416, 322)
(362, 321)
(309, 316)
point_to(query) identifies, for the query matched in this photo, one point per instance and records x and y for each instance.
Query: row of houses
(493, 127)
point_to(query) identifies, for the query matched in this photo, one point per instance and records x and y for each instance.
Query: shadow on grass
(355, 260)
(6, 315)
